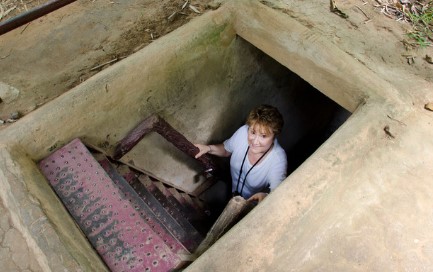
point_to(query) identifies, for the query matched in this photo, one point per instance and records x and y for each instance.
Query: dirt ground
(49, 56)
(56, 52)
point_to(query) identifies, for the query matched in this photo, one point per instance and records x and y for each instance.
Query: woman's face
(260, 139)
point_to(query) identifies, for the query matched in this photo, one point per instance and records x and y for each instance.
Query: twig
(386, 129)
(103, 64)
(2, 11)
(396, 120)
(5, 56)
(194, 9)
(172, 15)
(366, 16)
(184, 5)
(25, 28)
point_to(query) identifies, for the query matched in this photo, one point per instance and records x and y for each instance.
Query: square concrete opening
(310, 118)
(203, 85)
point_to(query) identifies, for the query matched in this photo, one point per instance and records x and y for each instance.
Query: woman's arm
(258, 197)
(217, 150)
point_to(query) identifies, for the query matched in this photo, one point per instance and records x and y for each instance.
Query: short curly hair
(266, 116)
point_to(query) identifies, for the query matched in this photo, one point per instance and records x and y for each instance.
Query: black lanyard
(242, 166)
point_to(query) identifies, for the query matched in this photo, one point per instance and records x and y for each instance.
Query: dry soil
(56, 52)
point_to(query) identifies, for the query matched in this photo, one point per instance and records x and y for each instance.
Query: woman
(257, 160)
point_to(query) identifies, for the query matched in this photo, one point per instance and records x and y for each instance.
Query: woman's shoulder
(243, 129)
(237, 140)
(241, 132)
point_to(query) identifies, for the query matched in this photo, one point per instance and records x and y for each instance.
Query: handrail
(31, 15)
(157, 124)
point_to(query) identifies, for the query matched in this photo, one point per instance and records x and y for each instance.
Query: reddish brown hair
(266, 116)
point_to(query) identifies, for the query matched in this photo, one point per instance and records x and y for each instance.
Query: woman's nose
(256, 140)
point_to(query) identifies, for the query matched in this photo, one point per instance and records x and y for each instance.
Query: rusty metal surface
(159, 186)
(117, 227)
(168, 229)
(159, 125)
(193, 238)
(185, 203)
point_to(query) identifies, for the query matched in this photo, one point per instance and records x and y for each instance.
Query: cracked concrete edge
(35, 211)
(305, 52)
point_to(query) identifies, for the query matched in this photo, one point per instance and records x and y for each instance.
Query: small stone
(2, 122)
(429, 106)
(8, 93)
(15, 115)
(213, 5)
(429, 59)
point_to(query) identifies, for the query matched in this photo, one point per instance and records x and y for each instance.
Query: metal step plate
(165, 227)
(191, 238)
(189, 214)
(169, 205)
(116, 227)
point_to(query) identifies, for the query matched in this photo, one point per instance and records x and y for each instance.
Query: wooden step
(186, 202)
(173, 211)
(163, 226)
(198, 219)
(190, 214)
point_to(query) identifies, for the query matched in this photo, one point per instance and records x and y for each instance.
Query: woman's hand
(203, 149)
(257, 197)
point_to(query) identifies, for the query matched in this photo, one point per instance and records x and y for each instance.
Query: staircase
(133, 221)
